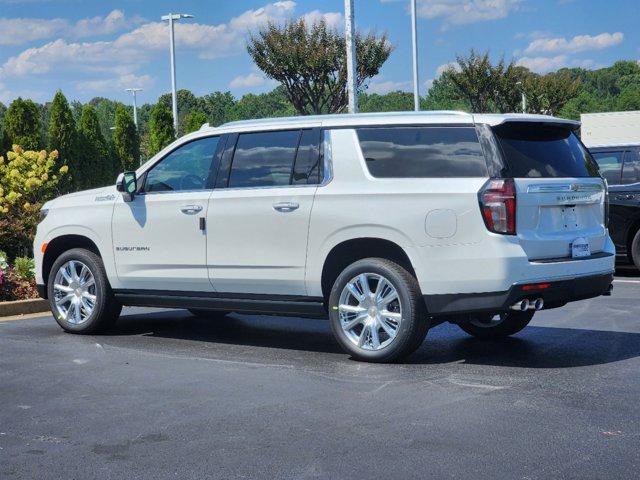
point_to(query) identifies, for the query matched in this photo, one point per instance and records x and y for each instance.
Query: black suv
(620, 166)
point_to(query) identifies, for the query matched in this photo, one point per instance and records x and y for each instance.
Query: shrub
(24, 268)
(27, 180)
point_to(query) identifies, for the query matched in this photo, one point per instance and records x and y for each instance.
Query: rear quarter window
(533, 150)
(422, 152)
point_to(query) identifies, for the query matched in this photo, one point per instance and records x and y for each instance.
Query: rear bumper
(558, 293)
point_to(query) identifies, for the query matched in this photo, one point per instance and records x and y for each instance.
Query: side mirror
(127, 184)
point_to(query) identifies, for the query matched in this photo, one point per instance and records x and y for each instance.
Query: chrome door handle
(285, 206)
(625, 197)
(190, 209)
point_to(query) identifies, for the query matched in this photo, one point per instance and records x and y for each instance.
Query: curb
(21, 307)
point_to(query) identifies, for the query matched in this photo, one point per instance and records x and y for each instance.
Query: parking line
(625, 281)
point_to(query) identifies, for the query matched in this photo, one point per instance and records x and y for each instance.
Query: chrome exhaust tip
(521, 305)
(538, 304)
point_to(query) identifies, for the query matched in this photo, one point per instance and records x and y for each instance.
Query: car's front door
(258, 216)
(159, 238)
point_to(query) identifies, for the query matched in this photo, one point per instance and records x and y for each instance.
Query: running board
(253, 304)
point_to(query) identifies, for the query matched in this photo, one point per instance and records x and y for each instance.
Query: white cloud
(128, 52)
(580, 43)
(464, 12)
(381, 86)
(250, 80)
(332, 19)
(544, 64)
(18, 31)
(116, 83)
(447, 66)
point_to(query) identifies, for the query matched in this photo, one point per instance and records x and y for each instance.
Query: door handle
(285, 206)
(190, 209)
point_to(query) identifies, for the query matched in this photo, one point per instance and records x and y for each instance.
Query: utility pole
(174, 99)
(524, 96)
(133, 91)
(349, 35)
(414, 39)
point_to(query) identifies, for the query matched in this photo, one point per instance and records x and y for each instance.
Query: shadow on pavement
(534, 347)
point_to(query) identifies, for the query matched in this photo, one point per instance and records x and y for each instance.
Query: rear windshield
(538, 150)
(422, 152)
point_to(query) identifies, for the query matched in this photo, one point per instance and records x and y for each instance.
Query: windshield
(535, 150)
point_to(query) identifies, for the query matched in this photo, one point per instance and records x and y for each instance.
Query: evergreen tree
(161, 132)
(193, 121)
(97, 167)
(63, 138)
(126, 143)
(22, 124)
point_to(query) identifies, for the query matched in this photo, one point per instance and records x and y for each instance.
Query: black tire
(512, 323)
(203, 313)
(413, 326)
(106, 308)
(635, 250)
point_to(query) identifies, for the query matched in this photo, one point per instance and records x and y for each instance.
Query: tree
(271, 104)
(161, 132)
(22, 124)
(310, 62)
(193, 121)
(443, 96)
(126, 143)
(63, 138)
(389, 102)
(187, 102)
(96, 167)
(217, 107)
(27, 180)
(629, 98)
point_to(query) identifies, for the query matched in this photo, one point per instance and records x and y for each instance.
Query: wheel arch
(60, 244)
(354, 249)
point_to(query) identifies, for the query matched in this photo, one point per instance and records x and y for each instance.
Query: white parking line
(625, 281)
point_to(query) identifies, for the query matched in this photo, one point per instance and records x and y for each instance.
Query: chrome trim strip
(564, 187)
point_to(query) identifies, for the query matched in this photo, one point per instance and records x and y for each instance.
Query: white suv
(388, 224)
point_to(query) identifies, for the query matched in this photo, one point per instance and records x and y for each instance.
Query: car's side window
(306, 170)
(422, 152)
(264, 159)
(631, 168)
(186, 168)
(610, 164)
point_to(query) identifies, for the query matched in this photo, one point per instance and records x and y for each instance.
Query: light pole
(349, 35)
(414, 39)
(524, 97)
(133, 91)
(174, 99)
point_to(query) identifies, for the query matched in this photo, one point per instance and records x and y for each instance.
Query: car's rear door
(560, 194)
(259, 212)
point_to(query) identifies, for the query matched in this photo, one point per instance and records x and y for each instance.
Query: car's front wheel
(79, 293)
(496, 326)
(377, 312)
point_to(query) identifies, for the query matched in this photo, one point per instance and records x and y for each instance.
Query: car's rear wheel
(79, 293)
(376, 310)
(635, 250)
(496, 326)
(203, 313)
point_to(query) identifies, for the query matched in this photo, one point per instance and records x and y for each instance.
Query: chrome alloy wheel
(370, 311)
(74, 291)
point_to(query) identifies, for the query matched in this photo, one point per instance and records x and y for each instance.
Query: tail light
(498, 205)
(606, 203)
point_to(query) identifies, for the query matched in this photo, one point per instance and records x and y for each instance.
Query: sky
(98, 48)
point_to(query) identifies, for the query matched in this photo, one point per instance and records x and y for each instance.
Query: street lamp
(524, 97)
(133, 91)
(349, 35)
(414, 39)
(171, 18)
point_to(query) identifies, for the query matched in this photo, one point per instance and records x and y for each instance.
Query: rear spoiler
(494, 120)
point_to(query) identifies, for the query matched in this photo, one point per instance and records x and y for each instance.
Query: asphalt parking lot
(166, 395)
